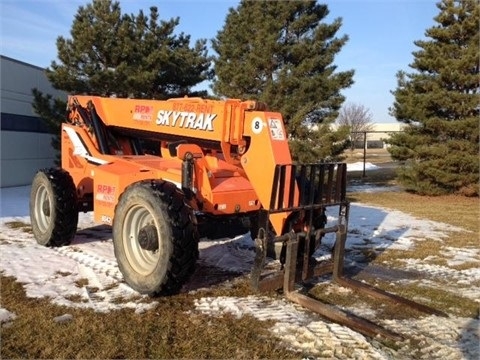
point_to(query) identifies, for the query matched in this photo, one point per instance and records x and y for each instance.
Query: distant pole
(364, 151)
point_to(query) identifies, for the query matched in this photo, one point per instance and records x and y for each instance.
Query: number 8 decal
(257, 125)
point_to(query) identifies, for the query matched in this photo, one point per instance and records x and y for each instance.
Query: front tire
(53, 207)
(155, 238)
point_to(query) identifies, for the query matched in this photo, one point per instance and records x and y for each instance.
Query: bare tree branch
(358, 118)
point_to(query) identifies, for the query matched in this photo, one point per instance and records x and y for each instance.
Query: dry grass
(172, 330)
(374, 156)
(169, 331)
(457, 211)
(435, 297)
(451, 209)
(27, 228)
(334, 295)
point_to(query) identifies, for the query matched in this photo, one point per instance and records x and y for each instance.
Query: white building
(378, 134)
(25, 144)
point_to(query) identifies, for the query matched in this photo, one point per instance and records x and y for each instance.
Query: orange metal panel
(190, 117)
(233, 202)
(238, 179)
(268, 147)
(110, 180)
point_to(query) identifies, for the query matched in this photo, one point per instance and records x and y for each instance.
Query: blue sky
(381, 35)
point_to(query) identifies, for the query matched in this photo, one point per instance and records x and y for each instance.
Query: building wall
(380, 132)
(25, 144)
(376, 136)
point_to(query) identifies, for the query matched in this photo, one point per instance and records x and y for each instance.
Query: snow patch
(6, 316)
(358, 166)
(85, 274)
(458, 256)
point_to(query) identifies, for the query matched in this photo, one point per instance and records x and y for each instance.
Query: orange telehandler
(159, 172)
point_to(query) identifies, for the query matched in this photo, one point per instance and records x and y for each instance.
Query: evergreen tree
(439, 103)
(122, 55)
(52, 112)
(127, 55)
(281, 53)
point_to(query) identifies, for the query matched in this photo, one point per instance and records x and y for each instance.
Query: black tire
(53, 207)
(155, 238)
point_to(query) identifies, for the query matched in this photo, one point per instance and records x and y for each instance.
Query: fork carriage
(320, 186)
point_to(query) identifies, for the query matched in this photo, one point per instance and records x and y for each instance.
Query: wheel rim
(142, 261)
(43, 208)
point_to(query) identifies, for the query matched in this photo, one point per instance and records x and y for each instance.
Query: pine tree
(281, 53)
(122, 55)
(127, 55)
(439, 103)
(52, 112)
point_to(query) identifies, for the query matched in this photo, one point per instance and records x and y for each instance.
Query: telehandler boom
(159, 172)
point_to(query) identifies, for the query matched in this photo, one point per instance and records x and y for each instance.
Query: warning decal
(276, 129)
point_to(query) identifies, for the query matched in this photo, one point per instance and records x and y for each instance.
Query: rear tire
(53, 207)
(155, 238)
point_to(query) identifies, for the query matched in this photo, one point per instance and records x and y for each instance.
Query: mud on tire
(53, 207)
(155, 238)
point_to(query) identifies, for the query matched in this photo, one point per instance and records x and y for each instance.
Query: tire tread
(65, 204)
